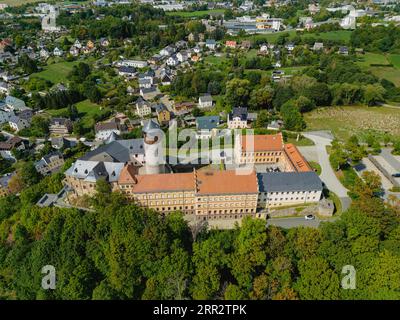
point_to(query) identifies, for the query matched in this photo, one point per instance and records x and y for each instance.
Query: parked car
(396, 175)
(309, 217)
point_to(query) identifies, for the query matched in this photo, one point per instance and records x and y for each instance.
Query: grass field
(349, 120)
(195, 14)
(391, 73)
(56, 72)
(331, 35)
(14, 3)
(86, 111)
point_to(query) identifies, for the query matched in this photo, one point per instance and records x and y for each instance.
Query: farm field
(349, 120)
(391, 73)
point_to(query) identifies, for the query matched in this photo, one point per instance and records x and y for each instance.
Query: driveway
(321, 140)
(293, 222)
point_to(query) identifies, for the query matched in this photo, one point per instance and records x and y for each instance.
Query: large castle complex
(279, 176)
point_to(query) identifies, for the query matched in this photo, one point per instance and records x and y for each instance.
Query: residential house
(182, 56)
(6, 147)
(18, 123)
(167, 51)
(105, 129)
(5, 115)
(343, 51)
(62, 143)
(134, 63)
(60, 126)
(15, 104)
(206, 126)
(127, 71)
(237, 119)
(145, 83)
(74, 51)
(275, 125)
(143, 107)
(163, 114)
(104, 42)
(50, 163)
(231, 44)
(44, 54)
(205, 101)
(5, 88)
(58, 52)
(313, 8)
(149, 93)
(290, 47)
(173, 61)
(211, 44)
(77, 44)
(245, 45)
(318, 46)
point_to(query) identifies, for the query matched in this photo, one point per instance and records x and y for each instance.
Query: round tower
(153, 151)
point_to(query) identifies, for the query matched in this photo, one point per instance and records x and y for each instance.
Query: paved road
(387, 155)
(296, 222)
(321, 140)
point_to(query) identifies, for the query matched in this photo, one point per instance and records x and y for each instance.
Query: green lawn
(86, 111)
(395, 60)
(391, 73)
(350, 120)
(14, 3)
(56, 72)
(331, 35)
(195, 14)
(316, 166)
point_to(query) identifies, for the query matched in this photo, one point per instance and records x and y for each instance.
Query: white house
(167, 51)
(17, 123)
(145, 83)
(104, 130)
(205, 101)
(44, 54)
(133, 63)
(57, 52)
(211, 44)
(74, 51)
(173, 61)
(77, 44)
(126, 71)
(143, 108)
(237, 119)
(182, 56)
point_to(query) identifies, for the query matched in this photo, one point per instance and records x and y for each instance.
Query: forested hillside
(120, 251)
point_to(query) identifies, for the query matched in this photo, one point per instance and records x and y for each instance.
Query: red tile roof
(295, 157)
(167, 182)
(225, 182)
(267, 142)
